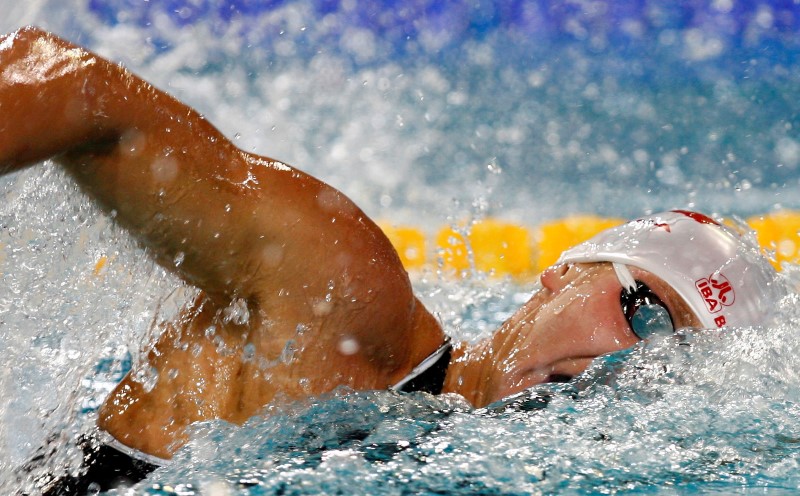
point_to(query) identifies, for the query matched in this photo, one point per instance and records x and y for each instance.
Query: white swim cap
(722, 275)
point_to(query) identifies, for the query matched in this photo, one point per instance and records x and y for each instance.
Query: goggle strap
(625, 277)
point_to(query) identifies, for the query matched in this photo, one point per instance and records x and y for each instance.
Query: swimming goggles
(646, 314)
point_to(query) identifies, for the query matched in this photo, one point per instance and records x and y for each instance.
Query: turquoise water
(430, 113)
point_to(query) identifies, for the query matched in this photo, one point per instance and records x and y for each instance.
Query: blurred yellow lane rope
(505, 248)
(778, 233)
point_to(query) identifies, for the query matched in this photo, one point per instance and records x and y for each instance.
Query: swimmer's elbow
(22, 35)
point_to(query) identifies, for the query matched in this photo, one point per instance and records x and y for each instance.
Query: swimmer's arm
(44, 104)
(226, 221)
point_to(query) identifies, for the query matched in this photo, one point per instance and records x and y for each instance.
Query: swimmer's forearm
(135, 149)
(46, 98)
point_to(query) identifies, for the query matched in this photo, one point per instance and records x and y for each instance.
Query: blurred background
(428, 111)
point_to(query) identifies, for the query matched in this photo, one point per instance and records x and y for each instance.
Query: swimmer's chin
(527, 381)
(561, 371)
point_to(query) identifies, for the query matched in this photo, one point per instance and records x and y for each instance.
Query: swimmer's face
(576, 317)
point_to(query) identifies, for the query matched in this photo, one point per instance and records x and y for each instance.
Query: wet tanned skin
(574, 318)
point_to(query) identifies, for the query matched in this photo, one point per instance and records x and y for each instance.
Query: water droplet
(178, 260)
(287, 355)
(272, 255)
(249, 352)
(164, 170)
(147, 376)
(220, 345)
(216, 488)
(237, 312)
(322, 308)
(348, 346)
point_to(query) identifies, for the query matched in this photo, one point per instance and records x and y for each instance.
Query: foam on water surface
(696, 413)
(435, 114)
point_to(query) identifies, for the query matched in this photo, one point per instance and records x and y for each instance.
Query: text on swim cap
(717, 292)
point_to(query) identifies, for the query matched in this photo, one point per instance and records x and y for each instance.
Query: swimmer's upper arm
(229, 222)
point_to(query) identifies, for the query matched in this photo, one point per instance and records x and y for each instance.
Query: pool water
(433, 114)
(644, 422)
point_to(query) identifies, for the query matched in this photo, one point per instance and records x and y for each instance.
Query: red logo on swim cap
(703, 219)
(695, 216)
(716, 291)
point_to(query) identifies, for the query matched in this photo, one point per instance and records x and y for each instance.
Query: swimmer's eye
(645, 312)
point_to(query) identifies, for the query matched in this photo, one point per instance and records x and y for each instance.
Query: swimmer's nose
(557, 277)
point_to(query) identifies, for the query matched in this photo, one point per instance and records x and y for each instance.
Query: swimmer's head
(719, 272)
(676, 270)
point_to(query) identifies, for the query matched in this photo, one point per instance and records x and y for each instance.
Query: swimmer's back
(291, 271)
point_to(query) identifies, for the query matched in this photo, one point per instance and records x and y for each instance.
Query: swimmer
(280, 257)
